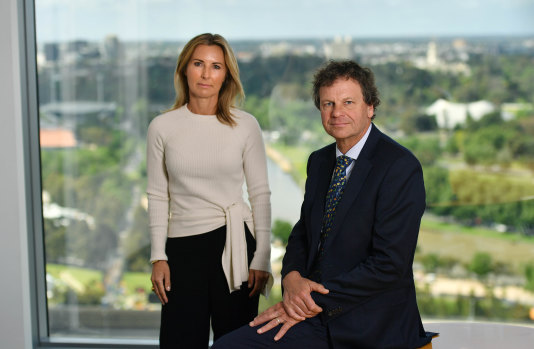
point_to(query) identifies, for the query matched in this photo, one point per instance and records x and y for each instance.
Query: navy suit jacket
(369, 252)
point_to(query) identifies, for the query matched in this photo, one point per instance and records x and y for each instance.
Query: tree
(529, 275)
(481, 264)
(281, 230)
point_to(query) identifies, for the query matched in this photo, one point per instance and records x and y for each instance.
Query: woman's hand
(161, 280)
(258, 279)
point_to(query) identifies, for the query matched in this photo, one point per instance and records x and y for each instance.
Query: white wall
(15, 326)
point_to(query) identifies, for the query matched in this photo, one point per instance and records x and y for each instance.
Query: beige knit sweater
(196, 169)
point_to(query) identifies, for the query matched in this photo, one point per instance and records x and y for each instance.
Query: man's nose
(337, 109)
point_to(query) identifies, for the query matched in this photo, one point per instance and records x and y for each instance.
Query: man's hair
(348, 69)
(231, 88)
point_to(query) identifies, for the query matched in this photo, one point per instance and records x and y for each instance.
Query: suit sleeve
(399, 206)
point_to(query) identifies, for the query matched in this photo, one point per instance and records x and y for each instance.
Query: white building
(449, 114)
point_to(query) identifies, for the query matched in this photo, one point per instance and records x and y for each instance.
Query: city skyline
(62, 20)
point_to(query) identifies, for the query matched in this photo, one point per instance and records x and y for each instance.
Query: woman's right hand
(161, 280)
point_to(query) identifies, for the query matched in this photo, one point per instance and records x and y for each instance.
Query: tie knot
(343, 162)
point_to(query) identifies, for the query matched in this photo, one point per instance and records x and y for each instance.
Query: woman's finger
(161, 292)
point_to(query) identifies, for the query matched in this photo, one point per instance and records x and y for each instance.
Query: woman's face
(206, 72)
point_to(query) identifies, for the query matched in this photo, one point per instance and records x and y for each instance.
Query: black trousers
(199, 292)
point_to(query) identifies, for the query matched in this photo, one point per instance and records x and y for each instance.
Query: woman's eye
(196, 64)
(217, 66)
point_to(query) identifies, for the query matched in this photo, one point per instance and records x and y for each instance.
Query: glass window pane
(458, 97)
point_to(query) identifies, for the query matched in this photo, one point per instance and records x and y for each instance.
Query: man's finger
(269, 314)
(287, 325)
(318, 287)
(312, 306)
(270, 325)
(263, 317)
(295, 312)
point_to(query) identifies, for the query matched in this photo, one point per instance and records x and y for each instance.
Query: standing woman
(210, 252)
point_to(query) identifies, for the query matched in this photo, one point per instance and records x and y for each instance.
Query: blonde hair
(231, 89)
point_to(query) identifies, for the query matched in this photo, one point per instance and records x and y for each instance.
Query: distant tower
(111, 48)
(432, 59)
(341, 48)
(51, 52)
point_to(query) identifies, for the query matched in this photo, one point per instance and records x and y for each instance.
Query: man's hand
(273, 317)
(298, 302)
(258, 279)
(161, 280)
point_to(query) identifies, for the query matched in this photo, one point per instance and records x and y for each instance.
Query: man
(347, 272)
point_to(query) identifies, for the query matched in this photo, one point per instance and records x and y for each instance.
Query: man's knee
(243, 337)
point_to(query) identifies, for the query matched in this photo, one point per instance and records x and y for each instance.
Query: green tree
(426, 149)
(430, 262)
(438, 188)
(281, 230)
(137, 245)
(481, 264)
(529, 276)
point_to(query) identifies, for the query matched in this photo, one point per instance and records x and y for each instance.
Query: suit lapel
(324, 169)
(359, 173)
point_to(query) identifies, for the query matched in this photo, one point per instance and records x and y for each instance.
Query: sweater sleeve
(157, 192)
(259, 194)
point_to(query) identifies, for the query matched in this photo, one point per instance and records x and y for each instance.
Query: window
(460, 99)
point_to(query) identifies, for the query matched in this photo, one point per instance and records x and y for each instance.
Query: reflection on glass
(463, 105)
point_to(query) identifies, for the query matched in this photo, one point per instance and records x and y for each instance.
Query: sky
(64, 20)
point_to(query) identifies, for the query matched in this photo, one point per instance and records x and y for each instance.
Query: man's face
(344, 113)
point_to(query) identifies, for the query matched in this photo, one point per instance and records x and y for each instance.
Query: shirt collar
(354, 152)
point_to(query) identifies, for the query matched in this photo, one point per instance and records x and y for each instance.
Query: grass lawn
(135, 280)
(85, 276)
(461, 243)
(82, 275)
(298, 157)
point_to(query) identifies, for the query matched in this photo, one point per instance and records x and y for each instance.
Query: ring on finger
(278, 320)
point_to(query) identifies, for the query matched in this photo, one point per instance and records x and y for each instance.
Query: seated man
(347, 272)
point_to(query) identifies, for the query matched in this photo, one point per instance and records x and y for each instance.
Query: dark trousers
(199, 292)
(308, 334)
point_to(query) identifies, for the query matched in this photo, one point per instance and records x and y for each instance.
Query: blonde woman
(210, 251)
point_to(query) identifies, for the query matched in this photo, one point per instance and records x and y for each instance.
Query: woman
(210, 252)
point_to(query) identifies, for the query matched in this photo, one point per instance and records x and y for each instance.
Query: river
(286, 195)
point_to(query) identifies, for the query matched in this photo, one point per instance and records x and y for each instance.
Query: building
(449, 114)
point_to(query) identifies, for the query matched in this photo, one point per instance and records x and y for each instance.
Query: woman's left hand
(258, 279)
